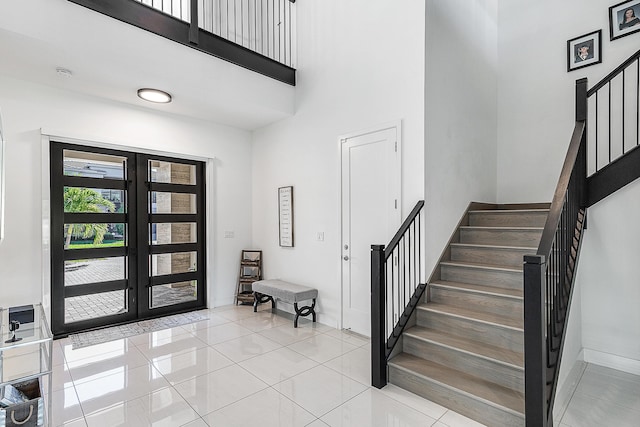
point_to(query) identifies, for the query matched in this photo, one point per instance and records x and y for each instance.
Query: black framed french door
(127, 236)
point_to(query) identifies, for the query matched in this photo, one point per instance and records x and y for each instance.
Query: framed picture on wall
(584, 50)
(624, 19)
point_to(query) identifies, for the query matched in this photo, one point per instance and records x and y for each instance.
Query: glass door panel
(172, 203)
(169, 172)
(94, 235)
(91, 270)
(96, 305)
(168, 233)
(174, 263)
(174, 293)
(94, 165)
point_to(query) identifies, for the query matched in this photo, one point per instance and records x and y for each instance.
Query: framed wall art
(285, 216)
(624, 19)
(584, 50)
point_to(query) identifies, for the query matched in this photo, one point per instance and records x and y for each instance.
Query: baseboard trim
(612, 361)
(222, 302)
(568, 386)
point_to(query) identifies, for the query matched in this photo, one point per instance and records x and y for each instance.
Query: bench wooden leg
(304, 311)
(259, 298)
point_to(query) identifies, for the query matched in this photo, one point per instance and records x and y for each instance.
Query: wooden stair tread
(540, 210)
(481, 266)
(470, 346)
(507, 228)
(500, 247)
(483, 289)
(491, 393)
(466, 313)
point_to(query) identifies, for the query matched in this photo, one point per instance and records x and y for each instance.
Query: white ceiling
(110, 59)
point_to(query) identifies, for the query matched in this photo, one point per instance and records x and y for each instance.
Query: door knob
(346, 258)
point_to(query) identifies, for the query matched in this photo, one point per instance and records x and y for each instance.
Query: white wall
(28, 107)
(535, 121)
(460, 113)
(536, 93)
(608, 273)
(360, 64)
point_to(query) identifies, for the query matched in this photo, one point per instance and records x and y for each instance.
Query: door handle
(346, 258)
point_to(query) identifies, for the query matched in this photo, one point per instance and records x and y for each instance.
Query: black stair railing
(396, 272)
(601, 158)
(614, 131)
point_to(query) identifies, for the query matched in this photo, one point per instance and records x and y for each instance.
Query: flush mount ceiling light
(64, 72)
(154, 95)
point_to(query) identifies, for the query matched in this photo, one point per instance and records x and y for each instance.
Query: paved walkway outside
(86, 307)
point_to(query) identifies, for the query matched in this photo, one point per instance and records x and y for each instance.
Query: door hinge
(395, 146)
(396, 203)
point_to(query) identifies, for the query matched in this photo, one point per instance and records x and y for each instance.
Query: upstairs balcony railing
(255, 34)
(613, 131)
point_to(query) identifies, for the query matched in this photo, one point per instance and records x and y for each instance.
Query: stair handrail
(550, 273)
(557, 204)
(408, 293)
(613, 74)
(403, 229)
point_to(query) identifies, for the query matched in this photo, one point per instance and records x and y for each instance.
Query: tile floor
(603, 397)
(240, 368)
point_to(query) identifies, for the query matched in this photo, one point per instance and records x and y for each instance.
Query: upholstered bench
(270, 290)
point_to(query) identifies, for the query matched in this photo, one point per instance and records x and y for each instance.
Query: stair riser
(452, 399)
(507, 219)
(497, 278)
(505, 375)
(509, 307)
(471, 329)
(506, 258)
(525, 238)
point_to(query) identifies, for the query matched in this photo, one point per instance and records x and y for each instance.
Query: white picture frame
(285, 216)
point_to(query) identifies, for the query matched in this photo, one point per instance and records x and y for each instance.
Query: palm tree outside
(85, 200)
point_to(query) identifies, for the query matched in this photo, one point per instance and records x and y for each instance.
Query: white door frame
(397, 124)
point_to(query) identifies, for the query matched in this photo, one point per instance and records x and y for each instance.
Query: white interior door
(370, 215)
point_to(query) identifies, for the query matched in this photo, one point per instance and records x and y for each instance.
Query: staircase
(465, 350)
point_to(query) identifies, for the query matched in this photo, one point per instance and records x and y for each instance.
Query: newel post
(378, 298)
(581, 100)
(581, 115)
(535, 351)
